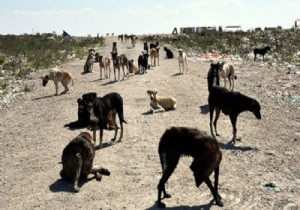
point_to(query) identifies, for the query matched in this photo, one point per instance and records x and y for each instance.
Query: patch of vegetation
(284, 43)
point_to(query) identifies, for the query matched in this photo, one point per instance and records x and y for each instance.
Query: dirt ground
(260, 172)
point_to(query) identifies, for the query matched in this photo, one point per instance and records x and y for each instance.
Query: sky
(92, 17)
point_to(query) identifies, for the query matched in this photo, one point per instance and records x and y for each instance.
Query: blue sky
(90, 17)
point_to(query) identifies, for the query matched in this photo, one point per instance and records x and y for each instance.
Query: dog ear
(79, 100)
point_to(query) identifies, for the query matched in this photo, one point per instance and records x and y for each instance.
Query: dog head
(198, 174)
(180, 51)
(83, 114)
(255, 108)
(45, 80)
(89, 99)
(152, 93)
(98, 57)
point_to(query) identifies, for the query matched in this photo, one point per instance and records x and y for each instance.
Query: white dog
(182, 61)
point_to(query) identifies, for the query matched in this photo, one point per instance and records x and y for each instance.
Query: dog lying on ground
(230, 103)
(77, 159)
(99, 109)
(181, 141)
(59, 75)
(161, 103)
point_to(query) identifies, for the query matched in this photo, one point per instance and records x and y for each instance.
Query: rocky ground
(259, 172)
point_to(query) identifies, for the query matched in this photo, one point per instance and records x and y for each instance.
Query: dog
(88, 67)
(213, 77)
(169, 53)
(84, 121)
(230, 103)
(227, 72)
(104, 64)
(77, 160)
(100, 108)
(120, 61)
(59, 75)
(182, 61)
(182, 141)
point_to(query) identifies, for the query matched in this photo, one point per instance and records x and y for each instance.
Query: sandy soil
(260, 172)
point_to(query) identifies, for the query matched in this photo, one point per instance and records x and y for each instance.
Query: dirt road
(260, 172)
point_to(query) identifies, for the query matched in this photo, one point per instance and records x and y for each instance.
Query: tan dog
(59, 75)
(161, 103)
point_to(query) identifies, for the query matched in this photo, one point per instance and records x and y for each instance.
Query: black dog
(261, 51)
(100, 108)
(182, 141)
(231, 103)
(169, 53)
(84, 121)
(213, 78)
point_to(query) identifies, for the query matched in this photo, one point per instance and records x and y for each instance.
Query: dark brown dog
(179, 141)
(77, 159)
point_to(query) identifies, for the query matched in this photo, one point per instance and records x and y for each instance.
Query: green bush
(2, 60)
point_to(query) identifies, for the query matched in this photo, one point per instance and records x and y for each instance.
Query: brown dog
(77, 159)
(59, 75)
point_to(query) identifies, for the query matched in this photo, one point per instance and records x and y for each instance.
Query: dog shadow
(107, 144)
(176, 74)
(61, 185)
(231, 146)
(108, 83)
(146, 113)
(201, 207)
(204, 109)
(49, 96)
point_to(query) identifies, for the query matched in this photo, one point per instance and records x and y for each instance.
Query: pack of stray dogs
(96, 112)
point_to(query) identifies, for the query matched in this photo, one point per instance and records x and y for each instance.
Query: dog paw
(98, 177)
(76, 189)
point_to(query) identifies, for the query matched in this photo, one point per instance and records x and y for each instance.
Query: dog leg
(66, 88)
(78, 171)
(94, 134)
(115, 125)
(169, 163)
(216, 119)
(214, 192)
(233, 119)
(56, 87)
(211, 113)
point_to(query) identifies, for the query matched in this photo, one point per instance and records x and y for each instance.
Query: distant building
(205, 28)
(187, 30)
(233, 28)
(297, 24)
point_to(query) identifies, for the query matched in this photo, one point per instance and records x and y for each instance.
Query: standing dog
(213, 77)
(182, 141)
(104, 64)
(230, 103)
(77, 159)
(100, 108)
(182, 61)
(120, 61)
(59, 75)
(227, 72)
